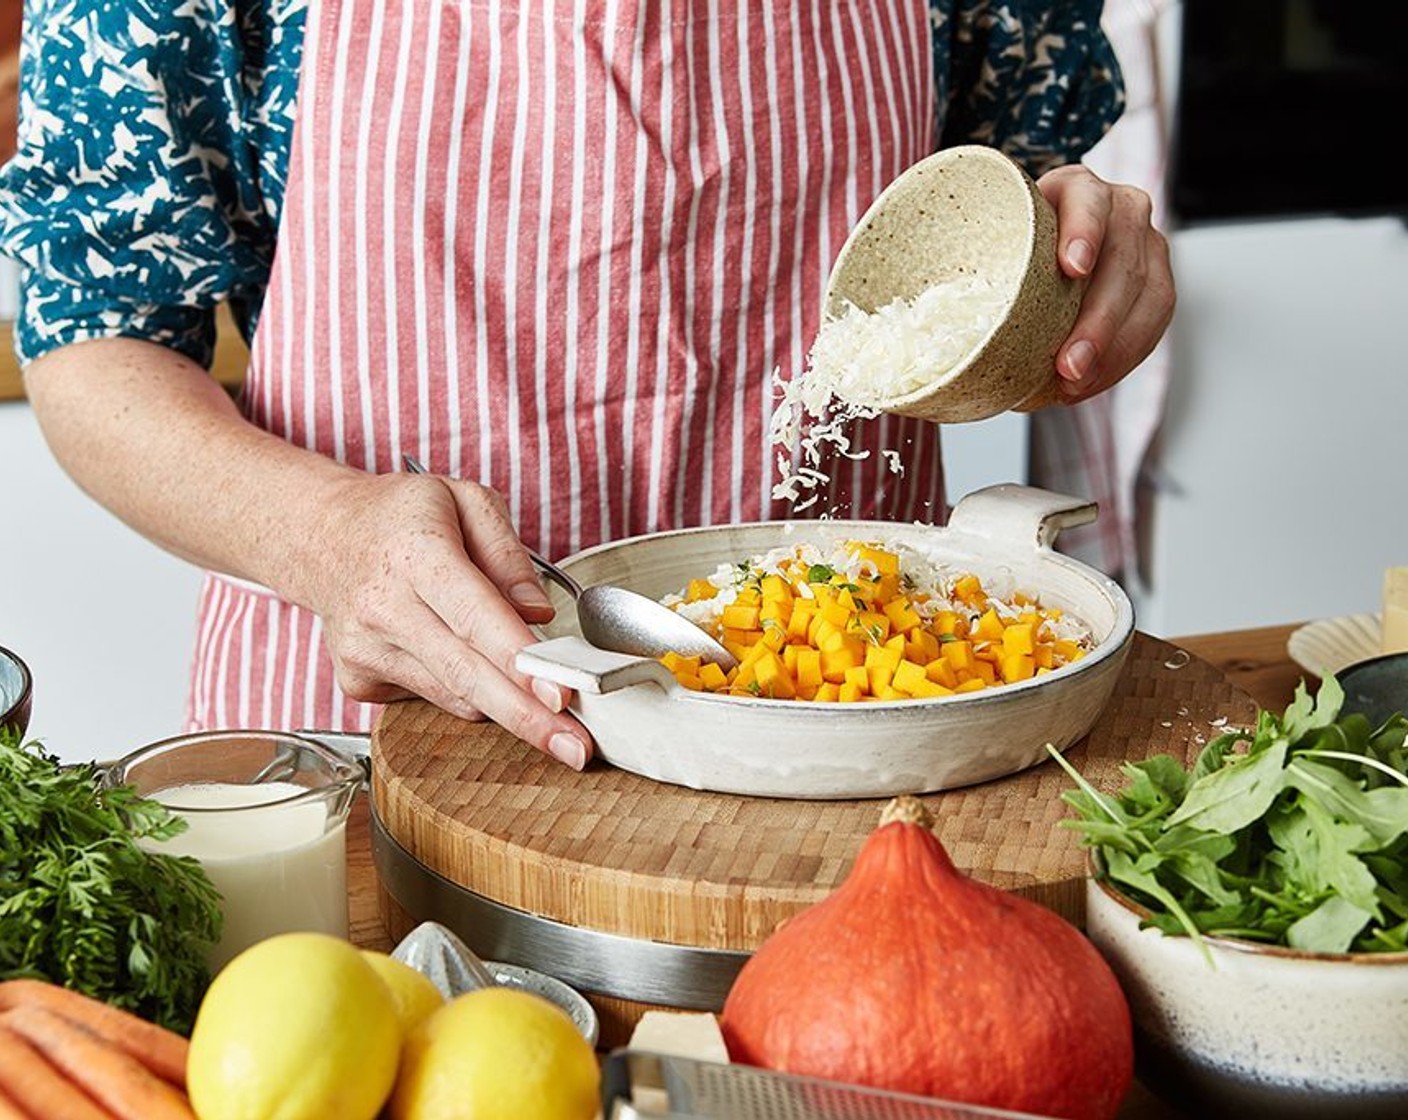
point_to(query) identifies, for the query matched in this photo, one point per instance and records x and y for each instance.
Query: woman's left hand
(1106, 237)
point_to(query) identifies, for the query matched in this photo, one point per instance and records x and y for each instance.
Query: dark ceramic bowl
(1376, 688)
(16, 692)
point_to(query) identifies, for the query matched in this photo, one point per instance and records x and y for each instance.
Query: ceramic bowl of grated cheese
(644, 720)
(946, 302)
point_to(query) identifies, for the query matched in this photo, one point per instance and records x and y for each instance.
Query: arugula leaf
(1294, 832)
(82, 904)
(1330, 928)
(1237, 794)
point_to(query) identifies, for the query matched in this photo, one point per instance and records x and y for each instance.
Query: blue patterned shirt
(154, 146)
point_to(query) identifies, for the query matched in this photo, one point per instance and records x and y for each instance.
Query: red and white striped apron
(560, 247)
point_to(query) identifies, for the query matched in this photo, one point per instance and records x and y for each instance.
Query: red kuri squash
(911, 976)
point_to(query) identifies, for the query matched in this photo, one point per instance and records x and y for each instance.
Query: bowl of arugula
(1255, 909)
(16, 692)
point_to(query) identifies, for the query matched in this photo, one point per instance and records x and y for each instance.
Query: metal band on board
(605, 964)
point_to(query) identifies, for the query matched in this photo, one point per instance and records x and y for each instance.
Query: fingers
(1129, 296)
(494, 547)
(1083, 203)
(464, 681)
(414, 612)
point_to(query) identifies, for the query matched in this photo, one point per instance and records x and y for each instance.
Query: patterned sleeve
(1037, 80)
(132, 202)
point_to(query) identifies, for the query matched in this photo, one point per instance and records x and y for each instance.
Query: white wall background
(104, 620)
(1284, 453)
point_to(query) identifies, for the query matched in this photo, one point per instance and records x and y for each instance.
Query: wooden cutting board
(613, 852)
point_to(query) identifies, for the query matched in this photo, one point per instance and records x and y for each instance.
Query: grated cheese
(862, 360)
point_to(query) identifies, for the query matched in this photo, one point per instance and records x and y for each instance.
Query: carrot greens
(83, 905)
(1292, 833)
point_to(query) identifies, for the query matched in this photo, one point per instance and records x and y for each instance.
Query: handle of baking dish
(577, 664)
(1022, 516)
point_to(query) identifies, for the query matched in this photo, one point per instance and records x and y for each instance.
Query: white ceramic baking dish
(644, 721)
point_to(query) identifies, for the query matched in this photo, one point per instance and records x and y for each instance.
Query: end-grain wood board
(613, 852)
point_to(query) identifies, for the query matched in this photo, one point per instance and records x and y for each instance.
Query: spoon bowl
(624, 621)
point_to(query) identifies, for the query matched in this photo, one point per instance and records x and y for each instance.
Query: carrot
(111, 1076)
(11, 1111)
(36, 1089)
(160, 1050)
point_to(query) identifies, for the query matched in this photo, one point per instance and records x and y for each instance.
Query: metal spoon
(625, 621)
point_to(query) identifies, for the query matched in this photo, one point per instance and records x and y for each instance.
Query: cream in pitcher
(266, 816)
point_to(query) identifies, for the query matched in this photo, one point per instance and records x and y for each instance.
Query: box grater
(638, 1085)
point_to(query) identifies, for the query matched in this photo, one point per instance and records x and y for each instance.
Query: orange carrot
(160, 1050)
(36, 1089)
(9, 1110)
(111, 1076)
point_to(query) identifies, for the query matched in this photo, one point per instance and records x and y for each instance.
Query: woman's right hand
(426, 590)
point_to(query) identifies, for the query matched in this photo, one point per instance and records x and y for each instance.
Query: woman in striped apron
(553, 248)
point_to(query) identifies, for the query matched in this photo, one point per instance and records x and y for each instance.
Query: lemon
(497, 1054)
(415, 995)
(296, 1027)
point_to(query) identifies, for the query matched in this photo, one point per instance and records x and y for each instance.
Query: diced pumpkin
(969, 589)
(885, 563)
(940, 671)
(1019, 638)
(907, 674)
(959, 654)
(800, 619)
(880, 677)
(678, 665)
(1017, 667)
(901, 615)
(775, 588)
(835, 664)
(859, 676)
(851, 638)
(737, 616)
(989, 627)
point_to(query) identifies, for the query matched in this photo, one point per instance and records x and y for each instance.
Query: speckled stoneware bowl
(433, 949)
(1262, 1031)
(644, 721)
(16, 693)
(967, 211)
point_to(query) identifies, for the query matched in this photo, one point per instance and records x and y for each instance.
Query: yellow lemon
(415, 995)
(297, 1027)
(497, 1054)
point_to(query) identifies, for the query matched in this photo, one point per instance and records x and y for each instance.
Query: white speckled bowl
(967, 210)
(1264, 1031)
(644, 721)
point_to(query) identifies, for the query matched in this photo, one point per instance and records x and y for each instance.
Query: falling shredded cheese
(862, 360)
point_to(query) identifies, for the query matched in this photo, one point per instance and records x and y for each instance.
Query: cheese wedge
(1394, 634)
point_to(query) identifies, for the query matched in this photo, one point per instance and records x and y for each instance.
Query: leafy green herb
(820, 573)
(1294, 833)
(83, 905)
